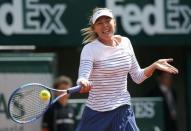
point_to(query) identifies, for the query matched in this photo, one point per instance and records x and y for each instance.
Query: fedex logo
(161, 17)
(25, 17)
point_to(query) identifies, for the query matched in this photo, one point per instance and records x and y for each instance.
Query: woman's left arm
(161, 64)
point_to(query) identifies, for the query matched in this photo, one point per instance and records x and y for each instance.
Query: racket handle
(75, 89)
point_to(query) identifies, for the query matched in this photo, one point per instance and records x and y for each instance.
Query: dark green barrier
(189, 90)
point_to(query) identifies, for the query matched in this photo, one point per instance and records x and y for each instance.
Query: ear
(115, 26)
(115, 23)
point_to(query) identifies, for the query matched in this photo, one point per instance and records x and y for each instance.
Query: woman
(105, 62)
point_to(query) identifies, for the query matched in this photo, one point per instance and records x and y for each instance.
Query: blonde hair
(88, 32)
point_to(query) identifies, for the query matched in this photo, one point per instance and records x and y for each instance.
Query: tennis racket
(25, 104)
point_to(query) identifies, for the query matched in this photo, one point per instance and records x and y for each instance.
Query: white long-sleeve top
(107, 69)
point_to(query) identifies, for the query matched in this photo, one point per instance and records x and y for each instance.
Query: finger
(169, 70)
(172, 71)
(169, 60)
(85, 89)
(85, 86)
(169, 65)
(173, 68)
(82, 83)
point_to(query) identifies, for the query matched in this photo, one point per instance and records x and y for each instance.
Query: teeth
(106, 31)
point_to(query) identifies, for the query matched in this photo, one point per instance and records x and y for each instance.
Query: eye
(98, 23)
(108, 19)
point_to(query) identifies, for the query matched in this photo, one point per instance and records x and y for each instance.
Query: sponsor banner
(43, 23)
(157, 17)
(58, 23)
(153, 22)
(149, 113)
(26, 18)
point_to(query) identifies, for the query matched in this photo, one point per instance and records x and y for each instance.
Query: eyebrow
(105, 17)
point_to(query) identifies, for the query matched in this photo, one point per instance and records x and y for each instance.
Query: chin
(109, 36)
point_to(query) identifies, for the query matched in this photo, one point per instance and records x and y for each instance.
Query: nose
(105, 24)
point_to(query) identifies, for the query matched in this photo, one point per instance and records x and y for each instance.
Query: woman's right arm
(85, 68)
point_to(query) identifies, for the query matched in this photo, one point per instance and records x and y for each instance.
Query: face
(104, 27)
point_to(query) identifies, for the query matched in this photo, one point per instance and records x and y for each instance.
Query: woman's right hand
(86, 86)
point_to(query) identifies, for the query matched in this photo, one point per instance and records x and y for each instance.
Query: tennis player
(105, 62)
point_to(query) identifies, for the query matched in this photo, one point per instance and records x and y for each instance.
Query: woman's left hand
(163, 65)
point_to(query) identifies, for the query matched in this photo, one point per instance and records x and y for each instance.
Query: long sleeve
(86, 63)
(137, 74)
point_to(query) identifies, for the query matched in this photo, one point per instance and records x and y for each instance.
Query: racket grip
(75, 89)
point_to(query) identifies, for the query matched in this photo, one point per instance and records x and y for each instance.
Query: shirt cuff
(81, 79)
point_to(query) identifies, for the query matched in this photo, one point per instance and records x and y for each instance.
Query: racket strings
(26, 103)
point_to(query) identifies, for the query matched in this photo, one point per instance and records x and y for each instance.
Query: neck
(109, 42)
